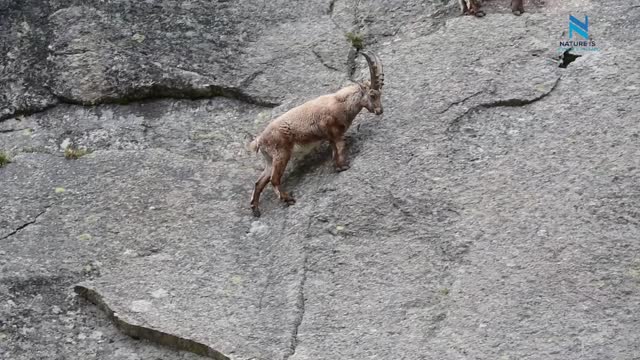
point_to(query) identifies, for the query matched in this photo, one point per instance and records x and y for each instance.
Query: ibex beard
(327, 117)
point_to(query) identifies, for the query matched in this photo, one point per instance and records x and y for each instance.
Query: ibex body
(472, 7)
(325, 118)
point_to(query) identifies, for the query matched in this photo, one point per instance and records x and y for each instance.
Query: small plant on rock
(72, 153)
(4, 159)
(356, 39)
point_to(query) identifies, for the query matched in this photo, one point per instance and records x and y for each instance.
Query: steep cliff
(490, 213)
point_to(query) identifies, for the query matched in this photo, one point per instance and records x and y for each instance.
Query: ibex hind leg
(474, 8)
(260, 184)
(463, 7)
(279, 165)
(517, 7)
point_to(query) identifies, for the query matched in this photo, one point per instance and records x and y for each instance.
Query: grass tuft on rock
(356, 39)
(4, 159)
(72, 153)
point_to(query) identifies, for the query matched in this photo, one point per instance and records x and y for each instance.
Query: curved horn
(375, 68)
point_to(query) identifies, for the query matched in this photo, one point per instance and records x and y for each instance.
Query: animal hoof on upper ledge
(256, 212)
(343, 168)
(479, 13)
(517, 12)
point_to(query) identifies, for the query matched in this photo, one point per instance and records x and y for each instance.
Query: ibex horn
(375, 68)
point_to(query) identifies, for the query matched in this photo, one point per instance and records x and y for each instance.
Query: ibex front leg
(339, 154)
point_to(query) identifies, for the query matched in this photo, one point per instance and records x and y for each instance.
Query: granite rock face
(490, 213)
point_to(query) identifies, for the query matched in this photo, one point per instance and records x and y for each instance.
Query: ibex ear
(364, 87)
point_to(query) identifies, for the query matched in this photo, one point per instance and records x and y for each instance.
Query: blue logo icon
(582, 28)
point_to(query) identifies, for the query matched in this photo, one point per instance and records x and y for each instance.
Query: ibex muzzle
(324, 118)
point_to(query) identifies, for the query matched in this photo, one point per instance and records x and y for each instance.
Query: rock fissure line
(246, 82)
(460, 101)
(519, 102)
(514, 102)
(332, 4)
(264, 289)
(300, 306)
(162, 92)
(147, 333)
(23, 226)
(12, 130)
(29, 111)
(151, 93)
(322, 61)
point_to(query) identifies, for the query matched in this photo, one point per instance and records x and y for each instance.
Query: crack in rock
(514, 102)
(161, 92)
(27, 111)
(154, 92)
(460, 101)
(141, 332)
(519, 102)
(319, 57)
(332, 4)
(246, 82)
(12, 130)
(23, 226)
(300, 305)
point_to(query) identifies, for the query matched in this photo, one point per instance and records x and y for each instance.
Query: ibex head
(372, 99)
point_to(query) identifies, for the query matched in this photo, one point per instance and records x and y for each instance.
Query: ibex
(472, 7)
(324, 118)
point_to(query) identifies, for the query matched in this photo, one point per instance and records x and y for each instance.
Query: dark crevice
(155, 92)
(351, 64)
(246, 82)
(322, 60)
(23, 226)
(515, 102)
(519, 102)
(264, 288)
(12, 130)
(29, 111)
(460, 101)
(300, 306)
(70, 53)
(161, 92)
(141, 332)
(567, 58)
(332, 3)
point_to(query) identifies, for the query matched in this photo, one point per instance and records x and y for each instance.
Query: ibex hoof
(287, 198)
(517, 12)
(343, 168)
(256, 211)
(479, 13)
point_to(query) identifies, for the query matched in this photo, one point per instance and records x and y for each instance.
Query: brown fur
(472, 7)
(324, 118)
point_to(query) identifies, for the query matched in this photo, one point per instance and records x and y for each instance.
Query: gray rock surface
(490, 213)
